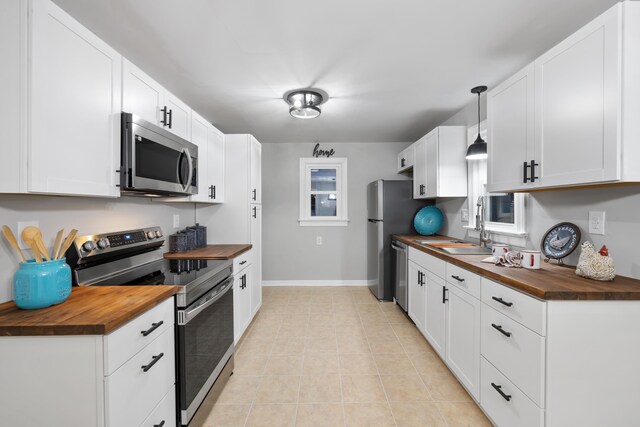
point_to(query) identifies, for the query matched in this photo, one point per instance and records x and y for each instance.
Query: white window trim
(513, 233)
(305, 219)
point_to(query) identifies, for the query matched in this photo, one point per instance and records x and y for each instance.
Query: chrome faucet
(484, 236)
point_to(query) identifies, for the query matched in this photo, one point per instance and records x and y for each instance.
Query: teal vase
(41, 284)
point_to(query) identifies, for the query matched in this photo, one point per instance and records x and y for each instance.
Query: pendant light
(478, 150)
(304, 104)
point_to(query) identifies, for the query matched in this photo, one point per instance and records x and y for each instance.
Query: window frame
(476, 170)
(342, 208)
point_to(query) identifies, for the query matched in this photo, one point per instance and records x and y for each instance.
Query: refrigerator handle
(375, 220)
(398, 248)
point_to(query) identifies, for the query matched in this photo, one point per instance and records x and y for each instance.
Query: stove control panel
(112, 243)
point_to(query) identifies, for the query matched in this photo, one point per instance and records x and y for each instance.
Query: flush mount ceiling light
(304, 103)
(478, 150)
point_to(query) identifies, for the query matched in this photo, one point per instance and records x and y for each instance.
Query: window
(504, 212)
(323, 192)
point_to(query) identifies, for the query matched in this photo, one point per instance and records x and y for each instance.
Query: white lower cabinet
(504, 402)
(435, 325)
(463, 339)
(416, 289)
(244, 285)
(123, 379)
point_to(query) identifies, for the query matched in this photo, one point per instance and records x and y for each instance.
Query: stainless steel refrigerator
(390, 210)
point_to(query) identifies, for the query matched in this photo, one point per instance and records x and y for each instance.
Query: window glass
(323, 180)
(324, 205)
(501, 208)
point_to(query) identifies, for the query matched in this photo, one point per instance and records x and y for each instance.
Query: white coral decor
(592, 265)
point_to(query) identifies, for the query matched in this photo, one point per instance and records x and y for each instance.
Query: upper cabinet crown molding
(63, 101)
(570, 117)
(440, 168)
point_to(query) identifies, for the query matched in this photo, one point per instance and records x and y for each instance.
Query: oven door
(204, 344)
(156, 161)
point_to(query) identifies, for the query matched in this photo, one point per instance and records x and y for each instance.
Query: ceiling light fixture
(304, 103)
(478, 150)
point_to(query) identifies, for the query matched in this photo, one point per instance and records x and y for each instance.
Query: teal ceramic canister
(41, 284)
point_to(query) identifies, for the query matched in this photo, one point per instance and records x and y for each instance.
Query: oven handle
(185, 317)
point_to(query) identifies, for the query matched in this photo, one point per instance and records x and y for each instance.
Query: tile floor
(335, 356)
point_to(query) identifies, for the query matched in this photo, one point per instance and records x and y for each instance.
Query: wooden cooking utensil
(11, 238)
(29, 237)
(67, 242)
(58, 243)
(41, 245)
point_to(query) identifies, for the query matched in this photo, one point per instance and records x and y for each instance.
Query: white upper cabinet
(70, 142)
(585, 98)
(256, 171)
(510, 112)
(144, 97)
(440, 168)
(200, 137)
(406, 158)
(215, 165)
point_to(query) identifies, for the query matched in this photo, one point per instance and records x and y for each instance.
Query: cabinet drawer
(131, 393)
(165, 411)
(522, 308)
(242, 261)
(463, 279)
(519, 410)
(126, 341)
(519, 356)
(428, 262)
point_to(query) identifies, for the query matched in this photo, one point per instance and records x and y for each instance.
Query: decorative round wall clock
(559, 241)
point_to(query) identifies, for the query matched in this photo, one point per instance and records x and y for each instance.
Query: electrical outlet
(176, 221)
(22, 226)
(319, 240)
(596, 222)
(464, 213)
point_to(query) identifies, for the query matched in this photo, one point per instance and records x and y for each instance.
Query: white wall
(290, 251)
(88, 215)
(545, 209)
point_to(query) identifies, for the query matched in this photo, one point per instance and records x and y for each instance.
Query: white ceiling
(393, 69)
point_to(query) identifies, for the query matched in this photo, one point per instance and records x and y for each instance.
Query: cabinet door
(180, 120)
(415, 288)
(578, 105)
(256, 241)
(200, 137)
(432, 164)
(75, 105)
(241, 302)
(255, 171)
(420, 170)
(510, 135)
(215, 164)
(141, 95)
(435, 306)
(463, 339)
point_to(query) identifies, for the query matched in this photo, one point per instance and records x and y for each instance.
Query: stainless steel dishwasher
(400, 264)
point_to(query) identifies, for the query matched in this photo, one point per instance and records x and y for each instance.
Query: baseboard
(316, 283)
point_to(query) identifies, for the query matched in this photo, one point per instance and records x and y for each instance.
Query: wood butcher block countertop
(211, 252)
(551, 282)
(89, 310)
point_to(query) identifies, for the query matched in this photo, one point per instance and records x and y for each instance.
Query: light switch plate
(176, 221)
(464, 214)
(596, 222)
(318, 240)
(21, 226)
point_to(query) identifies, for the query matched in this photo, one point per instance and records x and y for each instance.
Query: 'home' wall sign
(317, 152)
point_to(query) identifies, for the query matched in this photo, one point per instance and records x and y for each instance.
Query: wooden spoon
(29, 237)
(11, 238)
(67, 243)
(41, 245)
(58, 243)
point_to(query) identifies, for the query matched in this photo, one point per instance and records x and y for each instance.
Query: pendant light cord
(478, 114)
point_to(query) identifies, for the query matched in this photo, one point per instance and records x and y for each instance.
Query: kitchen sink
(455, 247)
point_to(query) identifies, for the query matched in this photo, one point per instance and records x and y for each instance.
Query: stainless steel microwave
(156, 162)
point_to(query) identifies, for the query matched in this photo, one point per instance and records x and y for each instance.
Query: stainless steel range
(204, 304)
